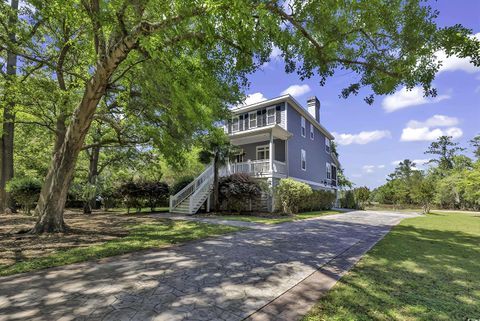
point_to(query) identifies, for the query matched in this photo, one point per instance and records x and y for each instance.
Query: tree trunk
(53, 195)
(8, 128)
(216, 201)
(92, 178)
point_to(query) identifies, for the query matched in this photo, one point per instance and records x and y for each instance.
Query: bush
(181, 183)
(137, 194)
(237, 191)
(319, 200)
(348, 200)
(154, 193)
(25, 191)
(290, 194)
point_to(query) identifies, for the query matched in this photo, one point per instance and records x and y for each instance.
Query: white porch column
(271, 151)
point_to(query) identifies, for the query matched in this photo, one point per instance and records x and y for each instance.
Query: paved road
(225, 278)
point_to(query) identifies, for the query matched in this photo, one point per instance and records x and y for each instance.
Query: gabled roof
(294, 103)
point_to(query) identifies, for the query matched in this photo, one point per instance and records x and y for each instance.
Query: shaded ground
(225, 278)
(92, 237)
(87, 230)
(426, 268)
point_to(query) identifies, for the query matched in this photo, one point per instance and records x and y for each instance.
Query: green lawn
(142, 210)
(426, 268)
(274, 219)
(141, 237)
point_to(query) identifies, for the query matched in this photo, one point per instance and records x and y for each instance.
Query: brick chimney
(313, 107)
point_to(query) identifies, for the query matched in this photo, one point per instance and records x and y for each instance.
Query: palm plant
(216, 149)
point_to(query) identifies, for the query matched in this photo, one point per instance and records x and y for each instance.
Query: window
(311, 132)
(253, 119)
(259, 118)
(235, 125)
(271, 115)
(334, 173)
(303, 127)
(327, 145)
(303, 160)
(239, 158)
(329, 171)
(263, 152)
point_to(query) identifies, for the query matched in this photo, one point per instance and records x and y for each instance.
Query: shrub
(348, 200)
(131, 194)
(237, 190)
(362, 194)
(181, 183)
(137, 194)
(154, 193)
(25, 191)
(290, 194)
(319, 200)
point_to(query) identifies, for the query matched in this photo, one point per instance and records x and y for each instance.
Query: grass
(141, 237)
(275, 219)
(123, 210)
(426, 268)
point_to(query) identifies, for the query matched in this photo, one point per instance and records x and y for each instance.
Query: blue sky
(373, 138)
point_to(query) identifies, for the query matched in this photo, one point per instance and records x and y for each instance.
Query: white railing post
(271, 152)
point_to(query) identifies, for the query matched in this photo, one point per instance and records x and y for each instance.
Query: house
(276, 138)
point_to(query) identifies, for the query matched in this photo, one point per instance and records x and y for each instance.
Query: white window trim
(266, 147)
(302, 153)
(274, 115)
(328, 168)
(312, 132)
(238, 123)
(328, 145)
(303, 129)
(250, 117)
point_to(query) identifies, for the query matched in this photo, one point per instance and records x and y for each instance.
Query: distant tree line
(452, 180)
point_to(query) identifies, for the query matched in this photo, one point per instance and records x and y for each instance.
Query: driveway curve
(232, 277)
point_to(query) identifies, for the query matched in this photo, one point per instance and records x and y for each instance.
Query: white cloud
(276, 53)
(454, 63)
(361, 138)
(434, 121)
(429, 130)
(254, 98)
(296, 90)
(368, 168)
(406, 98)
(371, 168)
(429, 134)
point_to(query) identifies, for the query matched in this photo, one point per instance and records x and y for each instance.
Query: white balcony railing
(255, 168)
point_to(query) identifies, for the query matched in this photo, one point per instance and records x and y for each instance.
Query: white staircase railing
(200, 195)
(191, 188)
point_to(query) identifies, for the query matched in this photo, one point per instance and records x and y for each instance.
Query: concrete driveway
(266, 273)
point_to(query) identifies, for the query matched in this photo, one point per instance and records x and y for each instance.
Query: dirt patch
(86, 230)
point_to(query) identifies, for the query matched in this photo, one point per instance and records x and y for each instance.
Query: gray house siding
(316, 156)
(250, 150)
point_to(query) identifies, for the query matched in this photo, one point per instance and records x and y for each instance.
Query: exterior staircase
(193, 196)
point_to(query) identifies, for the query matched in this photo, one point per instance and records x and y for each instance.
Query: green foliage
(237, 191)
(135, 194)
(348, 200)
(318, 200)
(445, 149)
(362, 195)
(25, 191)
(181, 183)
(423, 193)
(290, 195)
